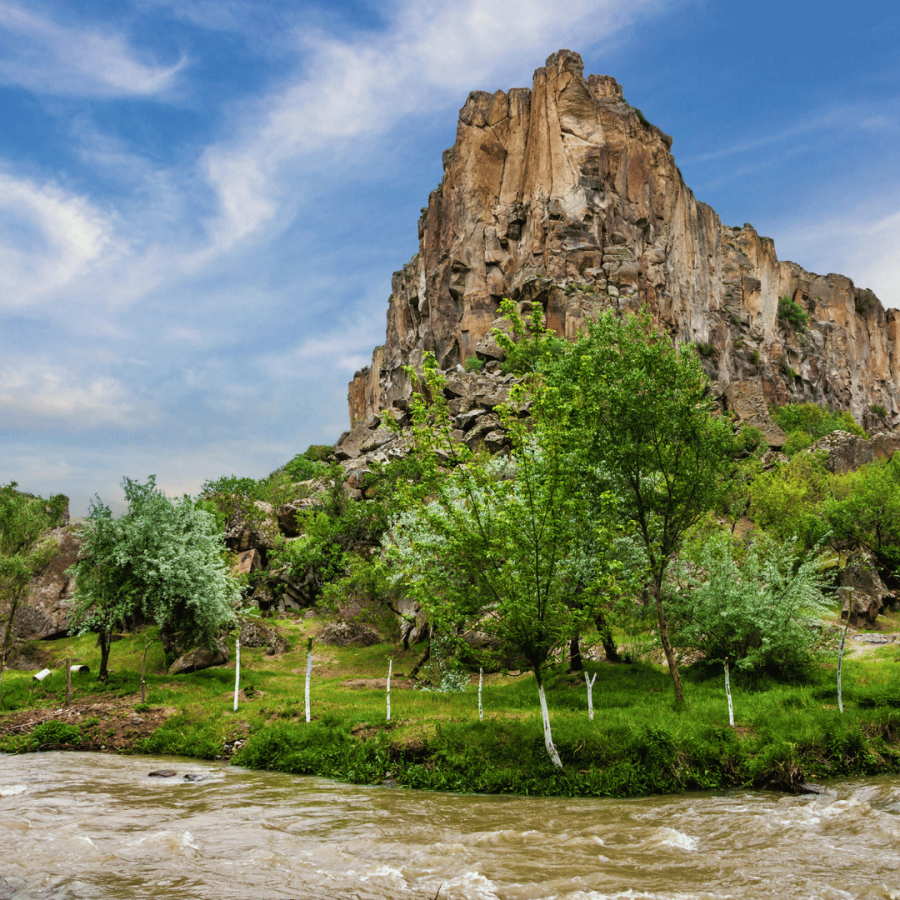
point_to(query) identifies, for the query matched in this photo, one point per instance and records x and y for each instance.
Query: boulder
(248, 561)
(201, 658)
(46, 608)
(256, 634)
(249, 525)
(846, 451)
(863, 595)
(346, 634)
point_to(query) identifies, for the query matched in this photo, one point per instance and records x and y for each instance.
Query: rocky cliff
(565, 195)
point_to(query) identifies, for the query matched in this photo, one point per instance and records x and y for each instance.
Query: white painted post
(728, 692)
(480, 714)
(69, 682)
(237, 671)
(841, 657)
(390, 669)
(308, 673)
(590, 689)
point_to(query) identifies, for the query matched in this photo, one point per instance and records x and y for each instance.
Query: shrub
(56, 733)
(754, 357)
(761, 611)
(474, 364)
(879, 410)
(814, 420)
(706, 350)
(792, 313)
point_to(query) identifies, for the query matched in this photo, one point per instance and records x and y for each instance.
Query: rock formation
(565, 195)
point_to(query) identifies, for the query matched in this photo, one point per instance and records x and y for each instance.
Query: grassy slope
(637, 743)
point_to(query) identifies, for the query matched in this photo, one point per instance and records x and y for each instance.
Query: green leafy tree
(641, 419)
(162, 560)
(758, 609)
(25, 550)
(497, 549)
(805, 423)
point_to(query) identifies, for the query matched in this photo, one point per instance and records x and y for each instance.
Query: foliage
(56, 733)
(802, 421)
(641, 421)
(474, 364)
(792, 313)
(757, 609)
(161, 560)
(787, 500)
(879, 410)
(532, 345)
(25, 549)
(864, 511)
(443, 674)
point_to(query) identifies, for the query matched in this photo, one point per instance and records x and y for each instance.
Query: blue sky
(202, 201)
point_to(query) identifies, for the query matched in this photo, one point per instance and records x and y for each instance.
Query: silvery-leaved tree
(162, 560)
(496, 546)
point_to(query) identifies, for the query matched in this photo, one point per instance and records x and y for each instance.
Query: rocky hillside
(566, 195)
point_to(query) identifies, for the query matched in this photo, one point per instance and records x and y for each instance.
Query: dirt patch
(379, 684)
(106, 724)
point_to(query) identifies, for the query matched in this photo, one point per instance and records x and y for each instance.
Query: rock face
(863, 595)
(565, 195)
(45, 611)
(848, 452)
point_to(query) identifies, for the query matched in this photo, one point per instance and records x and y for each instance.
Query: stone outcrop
(847, 452)
(565, 195)
(201, 658)
(863, 595)
(46, 608)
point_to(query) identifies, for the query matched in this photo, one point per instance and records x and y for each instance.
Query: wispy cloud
(44, 56)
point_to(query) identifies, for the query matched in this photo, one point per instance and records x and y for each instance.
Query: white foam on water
(671, 837)
(395, 877)
(10, 790)
(474, 886)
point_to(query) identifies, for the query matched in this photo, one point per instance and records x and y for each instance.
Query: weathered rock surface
(564, 195)
(46, 609)
(747, 401)
(201, 658)
(345, 634)
(847, 452)
(863, 595)
(256, 634)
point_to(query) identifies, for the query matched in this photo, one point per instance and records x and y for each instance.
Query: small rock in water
(808, 788)
(162, 773)
(194, 776)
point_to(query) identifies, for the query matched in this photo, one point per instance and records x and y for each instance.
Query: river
(81, 825)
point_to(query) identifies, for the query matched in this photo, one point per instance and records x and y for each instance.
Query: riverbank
(637, 743)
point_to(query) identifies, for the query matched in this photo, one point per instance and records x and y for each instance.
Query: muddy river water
(79, 825)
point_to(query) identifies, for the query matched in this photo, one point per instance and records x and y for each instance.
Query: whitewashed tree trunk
(390, 669)
(590, 689)
(308, 675)
(728, 692)
(841, 659)
(480, 714)
(69, 682)
(548, 737)
(237, 671)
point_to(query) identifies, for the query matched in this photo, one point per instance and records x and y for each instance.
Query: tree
(25, 549)
(496, 549)
(641, 421)
(162, 560)
(759, 609)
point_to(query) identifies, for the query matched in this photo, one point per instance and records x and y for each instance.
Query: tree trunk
(576, 663)
(425, 657)
(667, 646)
(105, 640)
(606, 637)
(545, 716)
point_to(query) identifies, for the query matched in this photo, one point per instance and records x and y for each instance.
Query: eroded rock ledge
(565, 195)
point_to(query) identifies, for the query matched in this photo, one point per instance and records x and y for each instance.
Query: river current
(80, 825)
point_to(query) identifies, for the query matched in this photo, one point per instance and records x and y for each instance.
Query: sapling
(69, 682)
(143, 669)
(590, 689)
(308, 672)
(237, 671)
(728, 694)
(390, 667)
(841, 659)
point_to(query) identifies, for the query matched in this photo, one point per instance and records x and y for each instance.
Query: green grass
(638, 743)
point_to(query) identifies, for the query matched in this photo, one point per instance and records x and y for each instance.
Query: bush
(792, 313)
(56, 733)
(474, 364)
(879, 410)
(761, 611)
(813, 420)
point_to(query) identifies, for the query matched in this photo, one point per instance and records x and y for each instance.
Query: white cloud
(363, 86)
(47, 238)
(46, 57)
(44, 390)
